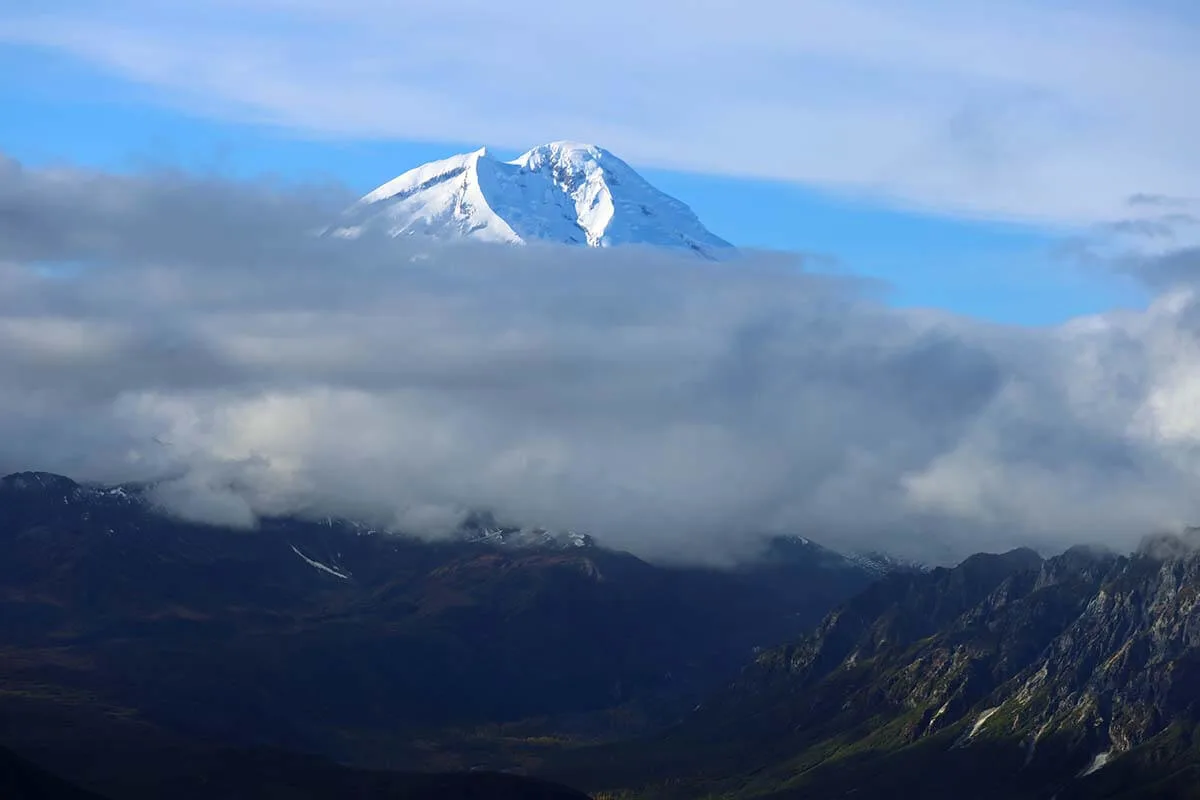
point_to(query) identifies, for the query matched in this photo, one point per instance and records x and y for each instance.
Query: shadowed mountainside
(21, 780)
(1006, 677)
(322, 637)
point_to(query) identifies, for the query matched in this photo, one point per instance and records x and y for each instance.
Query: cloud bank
(1053, 112)
(162, 327)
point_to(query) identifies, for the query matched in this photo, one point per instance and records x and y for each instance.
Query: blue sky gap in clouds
(846, 117)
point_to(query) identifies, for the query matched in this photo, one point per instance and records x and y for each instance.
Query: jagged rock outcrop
(1008, 676)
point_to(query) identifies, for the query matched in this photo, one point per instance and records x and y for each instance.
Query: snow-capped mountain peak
(564, 192)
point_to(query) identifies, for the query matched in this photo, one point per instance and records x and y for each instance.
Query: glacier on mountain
(561, 192)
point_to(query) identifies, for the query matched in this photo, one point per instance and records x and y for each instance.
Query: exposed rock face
(1007, 676)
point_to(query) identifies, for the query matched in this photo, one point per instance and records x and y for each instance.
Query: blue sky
(912, 147)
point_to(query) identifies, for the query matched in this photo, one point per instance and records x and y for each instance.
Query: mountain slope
(308, 634)
(20, 780)
(1007, 677)
(560, 192)
(145, 768)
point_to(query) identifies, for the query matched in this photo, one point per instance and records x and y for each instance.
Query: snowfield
(561, 192)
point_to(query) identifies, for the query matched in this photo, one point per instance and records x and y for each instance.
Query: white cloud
(1053, 112)
(674, 408)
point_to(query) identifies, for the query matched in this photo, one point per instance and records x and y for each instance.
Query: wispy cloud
(1053, 112)
(159, 326)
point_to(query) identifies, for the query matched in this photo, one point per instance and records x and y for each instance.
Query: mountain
(1008, 677)
(199, 773)
(250, 659)
(20, 780)
(561, 192)
(327, 637)
(213, 773)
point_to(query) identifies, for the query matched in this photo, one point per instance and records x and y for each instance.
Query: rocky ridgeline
(1074, 660)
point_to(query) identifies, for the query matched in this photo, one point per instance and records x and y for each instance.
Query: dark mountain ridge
(1008, 676)
(311, 635)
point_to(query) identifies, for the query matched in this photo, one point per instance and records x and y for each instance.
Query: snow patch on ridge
(1098, 762)
(984, 716)
(318, 565)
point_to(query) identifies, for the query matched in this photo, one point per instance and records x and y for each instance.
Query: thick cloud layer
(161, 327)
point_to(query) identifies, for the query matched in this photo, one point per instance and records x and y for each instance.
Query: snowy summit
(559, 192)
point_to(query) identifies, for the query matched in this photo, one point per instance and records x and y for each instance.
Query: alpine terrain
(160, 638)
(1009, 676)
(562, 192)
(320, 658)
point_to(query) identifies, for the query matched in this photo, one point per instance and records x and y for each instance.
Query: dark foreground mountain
(263, 775)
(196, 657)
(21, 780)
(325, 638)
(1007, 677)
